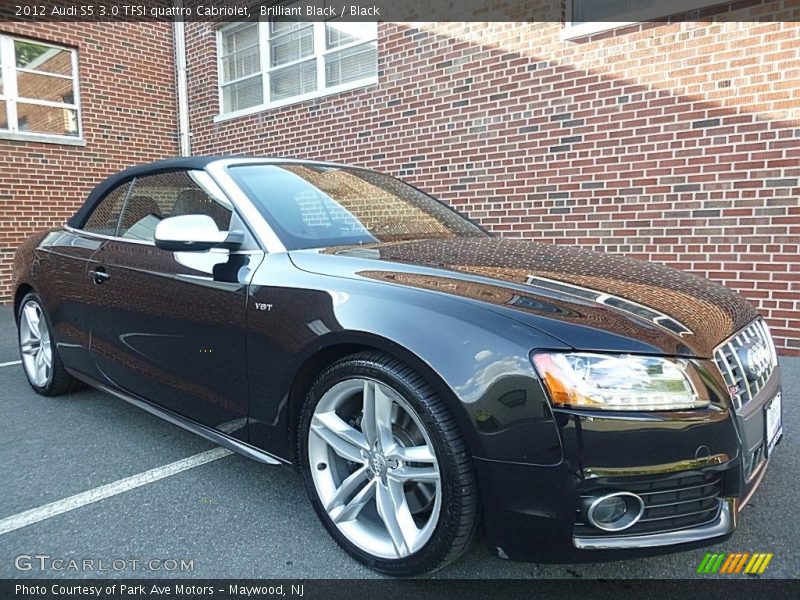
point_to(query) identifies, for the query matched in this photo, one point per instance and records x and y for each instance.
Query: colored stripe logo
(735, 562)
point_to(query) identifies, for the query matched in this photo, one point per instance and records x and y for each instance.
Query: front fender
(476, 359)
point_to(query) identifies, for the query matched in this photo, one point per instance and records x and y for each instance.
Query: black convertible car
(424, 376)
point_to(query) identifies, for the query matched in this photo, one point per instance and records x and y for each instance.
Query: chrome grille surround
(729, 362)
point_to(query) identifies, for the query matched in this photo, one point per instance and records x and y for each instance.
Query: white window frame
(320, 52)
(9, 95)
(675, 7)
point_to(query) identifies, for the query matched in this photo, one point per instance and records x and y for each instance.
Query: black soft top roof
(162, 166)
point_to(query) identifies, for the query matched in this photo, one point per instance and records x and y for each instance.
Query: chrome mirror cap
(189, 233)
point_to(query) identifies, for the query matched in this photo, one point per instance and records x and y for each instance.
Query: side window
(156, 197)
(105, 216)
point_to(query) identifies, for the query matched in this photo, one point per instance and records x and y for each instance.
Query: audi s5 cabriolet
(424, 376)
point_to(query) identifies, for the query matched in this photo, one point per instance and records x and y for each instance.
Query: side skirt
(203, 431)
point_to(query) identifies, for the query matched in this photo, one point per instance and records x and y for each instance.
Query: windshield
(316, 206)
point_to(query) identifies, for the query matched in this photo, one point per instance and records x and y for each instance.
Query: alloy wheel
(34, 343)
(374, 468)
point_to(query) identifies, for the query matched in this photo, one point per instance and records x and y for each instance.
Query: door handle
(100, 275)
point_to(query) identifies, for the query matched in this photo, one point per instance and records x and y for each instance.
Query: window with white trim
(276, 62)
(38, 89)
(590, 16)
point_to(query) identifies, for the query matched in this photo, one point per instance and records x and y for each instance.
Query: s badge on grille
(735, 392)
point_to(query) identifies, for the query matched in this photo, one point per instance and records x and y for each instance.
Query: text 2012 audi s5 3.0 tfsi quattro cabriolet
(424, 376)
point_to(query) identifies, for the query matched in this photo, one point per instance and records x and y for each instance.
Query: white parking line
(34, 515)
(13, 362)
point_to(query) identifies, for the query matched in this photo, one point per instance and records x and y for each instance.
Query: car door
(171, 325)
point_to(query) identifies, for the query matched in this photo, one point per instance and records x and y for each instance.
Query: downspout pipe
(184, 133)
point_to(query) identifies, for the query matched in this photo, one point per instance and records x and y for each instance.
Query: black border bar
(716, 588)
(371, 10)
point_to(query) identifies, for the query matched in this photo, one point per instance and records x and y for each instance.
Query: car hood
(588, 300)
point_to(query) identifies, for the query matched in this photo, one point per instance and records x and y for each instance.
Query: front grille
(731, 364)
(670, 502)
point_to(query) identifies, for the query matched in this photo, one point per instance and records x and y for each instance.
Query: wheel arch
(22, 290)
(340, 345)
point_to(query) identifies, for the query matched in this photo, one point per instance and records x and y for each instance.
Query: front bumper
(695, 470)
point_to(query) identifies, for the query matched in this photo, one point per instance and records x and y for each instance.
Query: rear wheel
(40, 359)
(386, 467)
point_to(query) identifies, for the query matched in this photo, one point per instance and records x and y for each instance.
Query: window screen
(298, 59)
(38, 88)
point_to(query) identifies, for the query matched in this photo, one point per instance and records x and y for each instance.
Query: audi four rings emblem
(756, 359)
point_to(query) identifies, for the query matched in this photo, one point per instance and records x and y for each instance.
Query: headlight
(599, 381)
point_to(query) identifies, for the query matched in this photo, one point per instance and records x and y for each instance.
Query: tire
(402, 500)
(40, 358)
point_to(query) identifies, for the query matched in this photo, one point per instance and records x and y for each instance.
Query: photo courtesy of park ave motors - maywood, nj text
(297, 291)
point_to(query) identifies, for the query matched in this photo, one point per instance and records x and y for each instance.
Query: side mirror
(189, 233)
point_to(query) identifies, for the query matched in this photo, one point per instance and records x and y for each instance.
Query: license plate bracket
(773, 422)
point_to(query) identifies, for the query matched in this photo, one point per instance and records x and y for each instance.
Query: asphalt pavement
(235, 518)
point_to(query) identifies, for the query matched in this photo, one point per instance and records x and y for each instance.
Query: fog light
(614, 512)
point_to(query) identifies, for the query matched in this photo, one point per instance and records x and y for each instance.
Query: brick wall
(129, 116)
(677, 143)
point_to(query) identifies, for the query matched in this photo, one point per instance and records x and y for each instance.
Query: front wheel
(386, 468)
